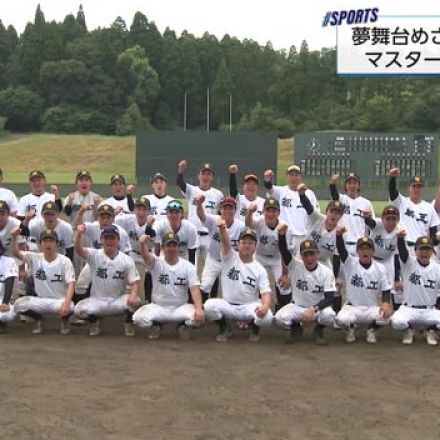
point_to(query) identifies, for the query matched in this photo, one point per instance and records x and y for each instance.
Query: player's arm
(65, 306)
(8, 290)
(334, 193)
(148, 257)
(129, 196)
(199, 199)
(233, 189)
(268, 181)
(398, 285)
(368, 218)
(249, 217)
(225, 241)
(437, 200)
(14, 243)
(282, 244)
(305, 201)
(181, 168)
(79, 248)
(79, 219)
(340, 245)
(401, 245)
(192, 245)
(196, 297)
(392, 184)
(133, 296)
(53, 189)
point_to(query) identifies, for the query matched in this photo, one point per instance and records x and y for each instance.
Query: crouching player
(368, 289)
(421, 283)
(245, 286)
(313, 288)
(54, 280)
(171, 276)
(8, 274)
(112, 273)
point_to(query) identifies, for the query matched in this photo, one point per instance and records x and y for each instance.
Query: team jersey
(171, 282)
(233, 230)
(10, 198)
(110, 276)
(291, 209)
(353, 219)
(364, 286)
(134, 230)
(308, 286)
(243, 204)
(33, 203)
(267, 239)
(8, 269)
(118, 203)
(80, 200)
(242, 283)
(50, 278)
(5, 234)
(325, 239)
(93, 237)
(187, 234)
(385, 242)
(63, 230)
(210, 205)
(415, 218)
(420, 283)
(158, 205)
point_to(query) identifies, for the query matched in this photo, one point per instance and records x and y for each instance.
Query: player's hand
(81, 229)
(284, 281)
(22, 272)
(308, 315)
(400, 233)
(83, 208)
(394, 172)
(233, 169)
(118, 209)
(340, 229)
(15, 232)
(199, 199)
(268, 175)
(144, 240)
(338, 283)
(261, 310)
(385, 310)
(65, 308)
(182, 166)
(302, 188)
(221, 223)
(252, 208)
(334, 179)
(70, 198)
(282, 228)
(398, 286)
(4, 308)
(55, 191)
(130, 189)
(97, 200)
(132, 300)
(150, 220)
(28, 216)
(366, 213)
(199, 315)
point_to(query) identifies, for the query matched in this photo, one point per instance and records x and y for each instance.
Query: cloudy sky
(284, 23)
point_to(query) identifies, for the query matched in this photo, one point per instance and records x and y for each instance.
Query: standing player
(172, 277)
(8, 275)
(112, 273)
(245, 287)
(159, 199)
(250, 193)
(368, 289)
(7, 224)
(82, 196)
(421, 284)
(121, 198)
(354, 205)
(54, 280)
(8, 196)
(313, 288)
(292, 210)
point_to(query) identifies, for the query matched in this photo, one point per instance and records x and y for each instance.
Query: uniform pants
(293, 313)
(41, 306)
(93, 306)
(360, 315)
(148, 314)
(406, 316)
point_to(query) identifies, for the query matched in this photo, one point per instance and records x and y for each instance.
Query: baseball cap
(228, 201)
(206, 166)
(308, 246)
(117, 178)
(352, 176)
(4, 206)
(158, 176)
(390, 211)
(335, 205)
(174, 205)
(416, 180)
(364, 240)
(142, 201)
(110, 230)
(293, 168)
(36, 173)
(170, 237)
(48, 233)
(251, 177)
(424, 242)
(83, 173)
(248, 232)
(106, 209)
(49, 207)
(271, 203)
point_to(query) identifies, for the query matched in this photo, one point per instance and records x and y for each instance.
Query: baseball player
(250, 193)
(82, 196)
(245, 287)
(417, 216)
(172, 277)
(211, 203)
(213, 266)
(8, 275)
(368, 289)
(421, 284)
(292, 210)
(112, 273)
(267, 252)
(8, 196)
(54, 282)
(159, 199)
(313, 288)
(136, 225)
(7, 224)
(175, 222)
(121, 199)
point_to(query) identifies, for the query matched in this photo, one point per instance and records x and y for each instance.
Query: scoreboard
(370, 155)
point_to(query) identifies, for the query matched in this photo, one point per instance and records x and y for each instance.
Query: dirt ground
(113, 387)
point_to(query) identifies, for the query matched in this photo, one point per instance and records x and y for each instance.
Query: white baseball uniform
(63, 229)
(5, 234)
(8, 269)
(243, 204)
(80, 200)
(123, 204)
(33, 203)
(158, 205)
(10, 198)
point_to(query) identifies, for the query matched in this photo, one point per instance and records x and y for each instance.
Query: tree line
(61, 77)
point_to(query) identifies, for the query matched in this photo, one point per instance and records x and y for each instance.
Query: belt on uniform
(135, 252)
(268, 256)
(410, 243)
(350, 242)
(235, 304)
(419, 307)
(377, 258)
(202, 233)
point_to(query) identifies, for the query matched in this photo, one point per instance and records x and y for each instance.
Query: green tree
(132, 121)
(222, 89)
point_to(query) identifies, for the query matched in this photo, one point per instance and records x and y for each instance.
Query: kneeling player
(54, 280)
(172, 276)
(112, 272)
(365, 280)
(245, 286)
(8, 274)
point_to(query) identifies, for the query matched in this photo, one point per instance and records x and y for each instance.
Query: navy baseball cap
(110, 230)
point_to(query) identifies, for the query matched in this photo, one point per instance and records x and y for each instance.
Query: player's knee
(399, 322)
(213, 309)
(326, 316)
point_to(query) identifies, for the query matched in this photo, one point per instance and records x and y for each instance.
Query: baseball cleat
(431, 337)
(3, 327)
(296, 332)
(95, 328)
(371, 336)
(224, 334)
(254, 334)
(350, 335)
(129, 329)
(318, 335)
(38, 329)
(184, 332)
(408, 337)
(154, 332)
(65, 326)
